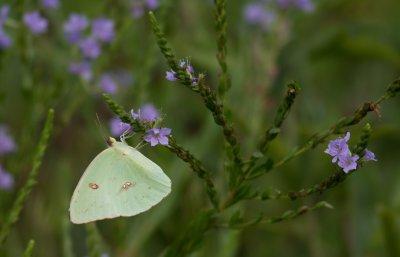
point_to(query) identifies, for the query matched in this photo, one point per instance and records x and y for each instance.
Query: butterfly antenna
(101, 128)
(140, 145)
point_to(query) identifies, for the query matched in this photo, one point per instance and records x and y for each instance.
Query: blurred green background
(342, 53)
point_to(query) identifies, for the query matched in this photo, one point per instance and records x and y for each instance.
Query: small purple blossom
(157, 136)
(185, 65)
(6, 180)
(82, 69)
(103, 29)
(50, 4)
(107, 84)
(338, 147)
(146, 113)
(74, 26)
(256, 14)
(369, 156)
(152, 4)
(5, 40)
(7, 144)
(137, 10)
(348, 162)
(170, 75)
(118, 127)
(90, 48)
(35, 22)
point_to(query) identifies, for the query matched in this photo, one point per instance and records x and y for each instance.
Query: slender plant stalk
(288, 215)
(221, 27)
(198, 168)
(240, 191)
(209, 97)
(332, 181)
(29, 248)
(390, 231)
(274, 130)
(31, 181)
(193, 235)
(93, 241)
(66, 238)
(217, 110)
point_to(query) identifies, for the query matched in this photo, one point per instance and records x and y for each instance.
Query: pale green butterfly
(120, 181)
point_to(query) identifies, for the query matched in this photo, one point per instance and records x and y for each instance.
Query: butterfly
(119, 182)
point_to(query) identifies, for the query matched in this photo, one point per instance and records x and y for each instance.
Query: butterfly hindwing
(120, 181)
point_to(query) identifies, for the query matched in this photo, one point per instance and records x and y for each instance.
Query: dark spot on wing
(127, 185)
(93, 186)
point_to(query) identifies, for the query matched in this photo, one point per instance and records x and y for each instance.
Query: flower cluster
(35, 22)
(185, 65)
(256, 14)
(145, 114)
(7, 145)
(340, 151)
(140, 6)
(90, 44)
(157, 136)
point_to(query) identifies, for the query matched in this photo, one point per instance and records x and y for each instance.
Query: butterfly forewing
(120, 181)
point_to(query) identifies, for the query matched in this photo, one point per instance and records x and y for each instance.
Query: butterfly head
(111, 141)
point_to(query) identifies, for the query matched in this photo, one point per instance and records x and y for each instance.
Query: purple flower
(369, 156)
(118, 127)
(90, 48)
(152, 4)
(74, 26)
(5, 40)
(35, 22)
(157, 136)
(304, 5)
(108, 84)
(7, 144)
(103, 29)
(82, 69)
(339, 147)
(6, 180)
(137, 10)
(348, 162)
(4, 11)
(256, 14)
(146, 113)
(51, 4)
(170, 75)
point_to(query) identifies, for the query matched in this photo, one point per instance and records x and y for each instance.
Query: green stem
(31, 181)
(221, 27)
(273, 131)
(29, 248)
(94, 242)
(288, 215)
